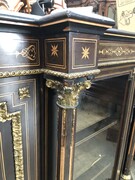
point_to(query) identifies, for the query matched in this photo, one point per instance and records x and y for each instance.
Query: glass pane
(98, 124)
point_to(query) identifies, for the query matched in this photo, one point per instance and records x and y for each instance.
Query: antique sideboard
(48, 66)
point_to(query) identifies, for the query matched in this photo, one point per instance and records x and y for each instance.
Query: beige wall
(126, 15)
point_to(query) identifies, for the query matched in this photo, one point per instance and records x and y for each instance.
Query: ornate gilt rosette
(15, 118)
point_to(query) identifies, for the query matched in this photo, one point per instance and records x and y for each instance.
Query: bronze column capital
(68, 94)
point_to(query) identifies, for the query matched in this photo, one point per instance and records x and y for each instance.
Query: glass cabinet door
(97, 131)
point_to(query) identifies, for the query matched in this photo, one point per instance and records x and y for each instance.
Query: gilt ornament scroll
(15, 118)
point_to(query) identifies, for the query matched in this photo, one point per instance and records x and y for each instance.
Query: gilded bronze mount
(68, 95)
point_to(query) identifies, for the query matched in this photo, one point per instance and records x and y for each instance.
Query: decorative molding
(68, 95)
(17, 138)
(2, 164)
(24, 93)
(48, 72)
(20, 73)
(71, 75)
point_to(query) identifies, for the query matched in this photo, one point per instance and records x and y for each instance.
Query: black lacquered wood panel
(18, 51)
(20, 96)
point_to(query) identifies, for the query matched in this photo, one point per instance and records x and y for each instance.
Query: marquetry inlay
(85, 52)
(116, 51)
(54, 50)
(29, 53)
(55, 53)
(18, 51)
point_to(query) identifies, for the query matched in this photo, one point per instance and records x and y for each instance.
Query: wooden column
(130, 149)
(67, 101)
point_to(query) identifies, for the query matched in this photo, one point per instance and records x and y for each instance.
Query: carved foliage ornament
(17, 138)
(68, 95)
(24, 93)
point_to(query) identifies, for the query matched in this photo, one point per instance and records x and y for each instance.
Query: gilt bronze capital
(68, 94)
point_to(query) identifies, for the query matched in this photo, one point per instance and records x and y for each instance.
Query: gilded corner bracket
(15, 118)
(68, 95)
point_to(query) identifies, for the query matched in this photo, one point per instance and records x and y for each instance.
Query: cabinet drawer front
(18, 51)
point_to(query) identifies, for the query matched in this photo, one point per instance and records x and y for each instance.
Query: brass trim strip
(76, 21)
(2, 159)
(71, 75)
(115, 63)
(20, 73)
(60, 74)
(72, 144)
(131, 140)
(48, 72)
(133, 151)
(17, 138)
(18, 23)
(63, 144)
(119, 35)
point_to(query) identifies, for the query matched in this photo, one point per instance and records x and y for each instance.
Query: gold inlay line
(131, 140)
(50, 72)
(2, 159)
(72, 144)
(76, 21)
(115, 63)
(119, 35)
(18, 23)
(63, 145)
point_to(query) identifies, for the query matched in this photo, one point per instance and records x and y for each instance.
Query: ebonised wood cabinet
(51, 69)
